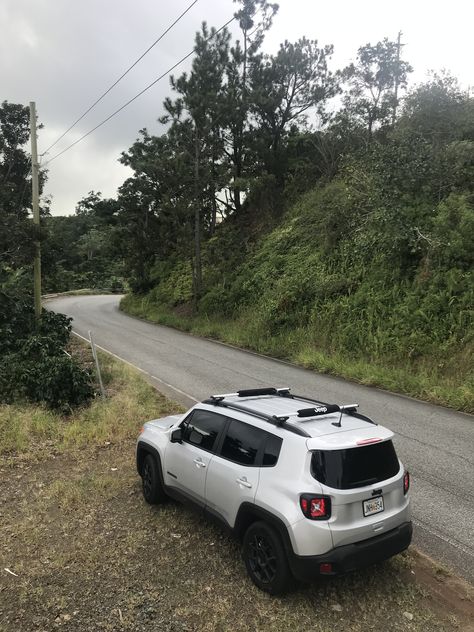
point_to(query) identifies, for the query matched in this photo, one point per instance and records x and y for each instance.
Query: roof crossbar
(349, 409)
(273, 419)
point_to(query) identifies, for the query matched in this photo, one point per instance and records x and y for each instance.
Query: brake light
(315, 507)
(325, 568)
(369, 441)
(406, 481)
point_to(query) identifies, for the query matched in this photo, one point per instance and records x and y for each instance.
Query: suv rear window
(355, 467)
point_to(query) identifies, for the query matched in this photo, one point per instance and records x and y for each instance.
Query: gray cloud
(64, 53)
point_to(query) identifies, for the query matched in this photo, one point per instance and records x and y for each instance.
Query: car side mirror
(177, 436)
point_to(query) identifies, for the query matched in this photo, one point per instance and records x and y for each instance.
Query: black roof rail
(273, 419)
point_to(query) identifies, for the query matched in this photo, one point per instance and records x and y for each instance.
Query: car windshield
(355, 467)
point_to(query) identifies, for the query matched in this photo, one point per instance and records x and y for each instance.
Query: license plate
(373, 505)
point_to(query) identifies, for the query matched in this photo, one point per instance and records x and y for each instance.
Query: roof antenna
(338, 423)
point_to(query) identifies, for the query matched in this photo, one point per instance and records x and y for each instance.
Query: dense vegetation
(34, 365)
(322, 216)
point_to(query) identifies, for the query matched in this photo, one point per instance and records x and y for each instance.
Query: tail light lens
(406, 481)
(315, 507)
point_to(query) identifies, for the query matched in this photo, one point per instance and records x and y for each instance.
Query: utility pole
(397, 79)
(36, 216)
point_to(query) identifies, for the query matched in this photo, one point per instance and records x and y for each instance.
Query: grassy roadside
(81, 292)
(29, 432)
(298, 346)
(80, 549)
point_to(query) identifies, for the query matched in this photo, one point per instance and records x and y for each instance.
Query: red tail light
(325, 568)
(315, 507)
(406, 481)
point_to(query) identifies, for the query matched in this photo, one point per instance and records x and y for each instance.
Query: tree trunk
(197, 229)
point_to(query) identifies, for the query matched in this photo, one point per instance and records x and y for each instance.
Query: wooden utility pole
(397, 79)
(35, 203)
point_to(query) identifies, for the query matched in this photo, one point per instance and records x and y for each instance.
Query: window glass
(242, 443)
(272, 450)
(355, 467)
(202, 429)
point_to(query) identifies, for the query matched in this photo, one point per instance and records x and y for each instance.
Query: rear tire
(265, 559)
(152, 487)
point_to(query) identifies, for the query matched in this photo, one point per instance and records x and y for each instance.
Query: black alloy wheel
(265, 559)
(262, 559)
(152, 487)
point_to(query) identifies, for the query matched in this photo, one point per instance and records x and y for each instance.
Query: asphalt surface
(435, 443)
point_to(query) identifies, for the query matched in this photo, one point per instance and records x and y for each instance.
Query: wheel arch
(249, 513)
(143, 450)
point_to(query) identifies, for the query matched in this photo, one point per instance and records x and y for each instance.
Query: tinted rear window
(355, 467)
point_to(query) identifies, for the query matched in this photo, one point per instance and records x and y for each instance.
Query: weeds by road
(298, 346)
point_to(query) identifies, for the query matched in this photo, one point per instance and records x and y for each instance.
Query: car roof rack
(322, 408)
(276, 420)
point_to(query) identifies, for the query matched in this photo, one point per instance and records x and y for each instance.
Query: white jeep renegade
(310, 488)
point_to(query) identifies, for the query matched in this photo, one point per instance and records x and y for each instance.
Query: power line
(121, 76)
(150, 85)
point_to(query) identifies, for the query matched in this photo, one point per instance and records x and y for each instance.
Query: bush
(33, 364)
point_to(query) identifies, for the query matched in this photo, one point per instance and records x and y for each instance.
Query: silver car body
(222, 486)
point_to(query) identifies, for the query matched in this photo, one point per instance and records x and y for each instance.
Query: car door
(234, 471)
(186, 463)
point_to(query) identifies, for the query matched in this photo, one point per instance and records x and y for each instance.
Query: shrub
(33, 362)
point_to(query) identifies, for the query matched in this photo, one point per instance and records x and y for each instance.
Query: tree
(137, 232)
(284, 88)
(16, 236)
(255, 18)
(373, 83)
(163, 167)
(195, 115)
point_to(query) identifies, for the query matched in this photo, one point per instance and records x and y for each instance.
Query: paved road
(435, 443)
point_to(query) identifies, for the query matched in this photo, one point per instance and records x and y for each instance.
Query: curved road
(435, 443)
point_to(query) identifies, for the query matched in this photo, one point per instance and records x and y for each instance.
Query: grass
(33, 432)
(81, 292)
(299, 346)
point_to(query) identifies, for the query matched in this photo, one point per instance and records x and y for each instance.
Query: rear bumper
(353, 556)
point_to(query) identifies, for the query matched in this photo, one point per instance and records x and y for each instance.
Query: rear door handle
(243, 481)
(199, 462)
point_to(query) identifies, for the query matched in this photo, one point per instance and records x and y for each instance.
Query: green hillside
(339, 301)
(368, 275)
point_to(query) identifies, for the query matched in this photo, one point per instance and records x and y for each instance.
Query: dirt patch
(86, 553)
(449, 596)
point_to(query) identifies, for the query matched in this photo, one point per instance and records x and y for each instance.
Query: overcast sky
(64, 53)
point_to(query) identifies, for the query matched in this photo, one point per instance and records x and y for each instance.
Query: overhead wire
(121, 76)
(150, 85)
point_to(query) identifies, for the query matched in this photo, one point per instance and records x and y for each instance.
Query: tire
(152, 487)
(265, 559)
